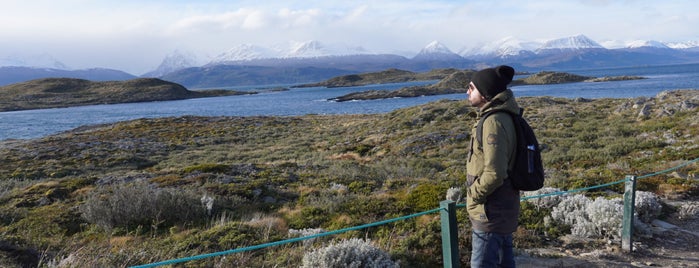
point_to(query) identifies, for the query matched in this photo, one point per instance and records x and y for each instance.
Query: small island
(452, 83)
(66, 92)
(383, 77)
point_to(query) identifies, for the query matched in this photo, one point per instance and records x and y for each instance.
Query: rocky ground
(674, 243)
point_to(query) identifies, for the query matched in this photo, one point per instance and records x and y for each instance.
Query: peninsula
(67, 92)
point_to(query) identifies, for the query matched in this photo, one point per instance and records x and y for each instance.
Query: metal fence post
(450, 239)
(627, 222)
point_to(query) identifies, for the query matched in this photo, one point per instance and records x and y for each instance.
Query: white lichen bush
(584, 228)
(571, 210)
(304, 233)
(208, 202)
(600, 218)
(337, 187)
(454, 194)
(351, 253)
(545, 201)
(647, 206)
(606, 216)
(688, 211)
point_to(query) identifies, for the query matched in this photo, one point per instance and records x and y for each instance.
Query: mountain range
(312, 61)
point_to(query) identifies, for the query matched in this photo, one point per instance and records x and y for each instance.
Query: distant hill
(16, 74)
(65, 92)
(382, 77)
(312, 70)
(233, 75)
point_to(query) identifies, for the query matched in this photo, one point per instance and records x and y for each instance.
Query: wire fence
(359, 227)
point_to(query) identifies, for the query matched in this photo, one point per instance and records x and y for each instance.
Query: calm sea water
(301, 101)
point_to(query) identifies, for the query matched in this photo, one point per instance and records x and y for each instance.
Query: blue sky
(134, 36)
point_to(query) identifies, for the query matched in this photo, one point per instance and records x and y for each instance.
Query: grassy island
(66, 92)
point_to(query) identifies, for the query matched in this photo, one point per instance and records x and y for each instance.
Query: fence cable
(297, 239)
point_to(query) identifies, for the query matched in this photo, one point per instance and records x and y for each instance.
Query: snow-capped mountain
(512, 47)
(683, 45)
(246, 52)
(435, 47)
(436, 51)
(312, 49)
(503, 48)
(507, 49)
(33, 61)
(292, 62)
(646, 43)
(174, 61)
(613, 44)
(291, 50)
(577, 42)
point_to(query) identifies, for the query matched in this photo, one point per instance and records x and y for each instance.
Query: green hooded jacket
(491, 201)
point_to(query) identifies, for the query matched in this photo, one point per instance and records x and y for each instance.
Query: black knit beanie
(492, 81)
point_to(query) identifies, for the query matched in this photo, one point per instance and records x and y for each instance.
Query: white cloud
(255, 20)
(134, 35)
(299, 18)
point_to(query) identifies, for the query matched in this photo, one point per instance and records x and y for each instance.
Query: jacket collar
(503, 101)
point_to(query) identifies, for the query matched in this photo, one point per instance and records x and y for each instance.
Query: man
(492, 202)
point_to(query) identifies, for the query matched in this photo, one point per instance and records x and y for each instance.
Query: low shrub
(647, 206)
(426, 196)
(141, 204)
(211, 168)
(600, 218)
(540, 198)
(353, 253)
(605, 216)
(309, 217)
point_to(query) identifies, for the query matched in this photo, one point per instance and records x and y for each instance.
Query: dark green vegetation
(383, 77)
(150, 190)
(66, 92)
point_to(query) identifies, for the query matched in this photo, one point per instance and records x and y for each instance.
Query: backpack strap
(479, 127)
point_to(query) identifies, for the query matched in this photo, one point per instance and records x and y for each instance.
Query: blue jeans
(491, 250)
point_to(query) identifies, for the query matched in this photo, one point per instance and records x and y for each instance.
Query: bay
(301, 101)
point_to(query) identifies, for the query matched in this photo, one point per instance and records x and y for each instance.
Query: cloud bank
(135, 35)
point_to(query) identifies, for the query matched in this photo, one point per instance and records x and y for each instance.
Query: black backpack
(528, 171)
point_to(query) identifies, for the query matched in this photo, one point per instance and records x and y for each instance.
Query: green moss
(426, 196)
(309, 217)
(209, 167)
(362, 187)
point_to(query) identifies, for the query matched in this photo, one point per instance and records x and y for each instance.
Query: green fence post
(450, 239)
(629, 204)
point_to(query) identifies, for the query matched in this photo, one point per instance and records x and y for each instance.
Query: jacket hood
(504, 101)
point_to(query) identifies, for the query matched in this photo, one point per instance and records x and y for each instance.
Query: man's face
(474, 96)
